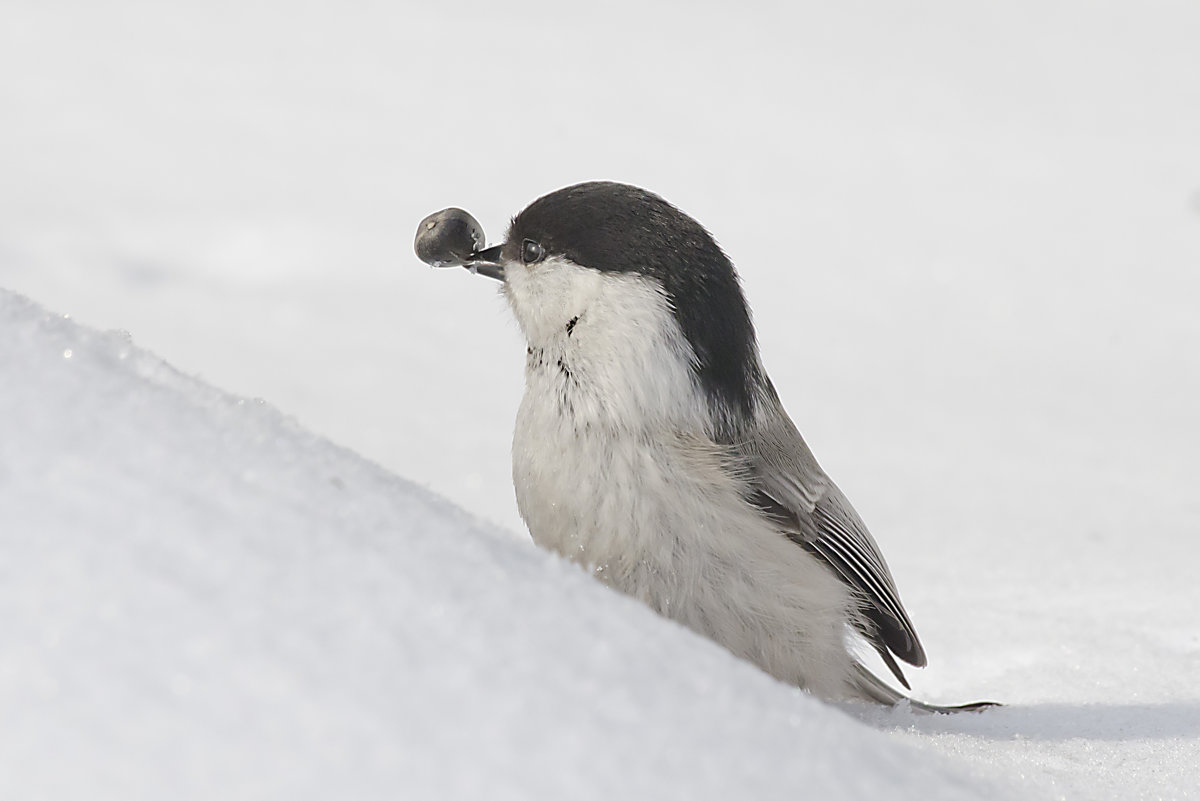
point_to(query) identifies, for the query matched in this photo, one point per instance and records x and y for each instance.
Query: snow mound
(203, 600)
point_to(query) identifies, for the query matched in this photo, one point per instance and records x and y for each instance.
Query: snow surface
(203, 600)
(970, 234)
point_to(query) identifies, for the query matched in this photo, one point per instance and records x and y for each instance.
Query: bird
(652, 448)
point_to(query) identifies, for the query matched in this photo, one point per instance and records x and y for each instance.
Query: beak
(487, 262)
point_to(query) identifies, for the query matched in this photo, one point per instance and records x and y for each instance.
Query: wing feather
(789, 486)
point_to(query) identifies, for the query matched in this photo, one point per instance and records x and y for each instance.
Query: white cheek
(545, 296)
(633, 352)
(628, 358)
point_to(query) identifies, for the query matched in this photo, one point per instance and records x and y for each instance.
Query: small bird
(652, 448)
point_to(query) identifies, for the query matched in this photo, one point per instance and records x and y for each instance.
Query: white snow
(202, 600)
(970, 235)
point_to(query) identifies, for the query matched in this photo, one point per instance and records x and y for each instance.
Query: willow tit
(652, 448)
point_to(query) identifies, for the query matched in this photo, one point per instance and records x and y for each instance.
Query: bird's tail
(871, 688)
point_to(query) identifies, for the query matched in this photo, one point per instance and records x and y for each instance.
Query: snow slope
(203, 600)
(969, 234)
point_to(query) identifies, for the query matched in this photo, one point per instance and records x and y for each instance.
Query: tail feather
(869, 686)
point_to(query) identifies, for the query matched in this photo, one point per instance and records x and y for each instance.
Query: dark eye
(532, 252)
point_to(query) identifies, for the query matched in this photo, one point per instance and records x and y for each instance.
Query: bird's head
(623, 269)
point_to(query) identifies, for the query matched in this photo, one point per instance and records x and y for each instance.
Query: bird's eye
(532, 252)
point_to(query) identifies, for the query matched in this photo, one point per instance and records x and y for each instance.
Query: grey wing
(788, 485)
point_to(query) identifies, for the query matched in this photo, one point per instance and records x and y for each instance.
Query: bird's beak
(487, 262)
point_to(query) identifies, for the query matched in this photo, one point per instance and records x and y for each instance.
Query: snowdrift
(203, 600)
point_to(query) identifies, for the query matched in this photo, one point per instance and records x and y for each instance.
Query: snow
(203, 600)
(969, 235)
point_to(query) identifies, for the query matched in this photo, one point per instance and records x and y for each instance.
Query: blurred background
(970, 235)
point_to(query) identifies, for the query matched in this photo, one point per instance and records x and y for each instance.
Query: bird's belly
(596, 501)
(609, 497)
(659, 518)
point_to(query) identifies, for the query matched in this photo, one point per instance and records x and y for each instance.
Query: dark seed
(447, 238)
